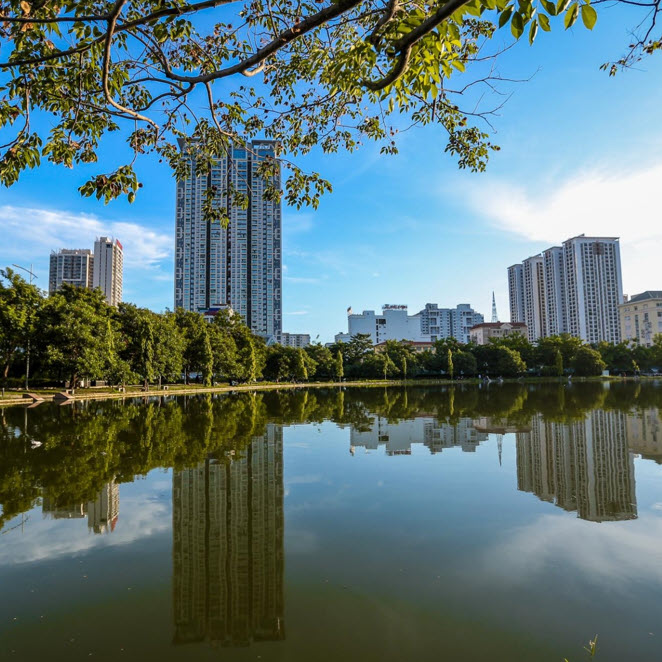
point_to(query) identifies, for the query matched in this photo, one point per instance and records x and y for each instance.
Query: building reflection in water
(585, 466)
(228, 556)
(102, 513)
(644, 431)
(397, 437)
(582, 466)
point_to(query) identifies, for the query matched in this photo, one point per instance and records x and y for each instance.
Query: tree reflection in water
(561, 430)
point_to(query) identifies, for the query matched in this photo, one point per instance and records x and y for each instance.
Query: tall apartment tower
(73, 266)
(534, 297)
(516, 292)
(554, 283)
(238, 265)
(594, 287)
(228, 556)
(575, 288)
(108, 266)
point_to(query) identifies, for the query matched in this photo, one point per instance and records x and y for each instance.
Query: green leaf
(533, 32)
(550, 7)
(561, 6)
(589, 16)
(517, 26)
(544, 22)
(571, 15)
(505, 16)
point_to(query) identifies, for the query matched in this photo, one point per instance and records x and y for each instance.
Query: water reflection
(573, 442)
(397, 437)
(583, 466)
(228, 546)
(102, 512)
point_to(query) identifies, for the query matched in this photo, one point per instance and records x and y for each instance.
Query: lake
(502, 523)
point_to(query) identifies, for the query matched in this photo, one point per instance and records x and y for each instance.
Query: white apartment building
(238, 265)
(641, 317)
(554, 284)
(534, 297)
(516, 292)
(74, 266)
(438, 323)
(108, 267)
(393, 324)
(574, 289)
(294, 339)
(594, 287)
(429, 325)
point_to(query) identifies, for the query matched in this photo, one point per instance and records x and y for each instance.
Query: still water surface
(504, 524)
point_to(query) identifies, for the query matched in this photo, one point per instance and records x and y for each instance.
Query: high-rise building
(73, 266)
(238, 265)
(574, 289)
(228, 556)
(108, 266)
(594, 287)
(641, 317)
(516, 292)
(534, 297)
(554, 283)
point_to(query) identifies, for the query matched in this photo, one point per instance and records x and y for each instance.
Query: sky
(580, 153)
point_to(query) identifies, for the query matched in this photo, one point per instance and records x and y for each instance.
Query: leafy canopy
(305, 73)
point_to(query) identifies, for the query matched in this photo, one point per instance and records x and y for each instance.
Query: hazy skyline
(579, 155)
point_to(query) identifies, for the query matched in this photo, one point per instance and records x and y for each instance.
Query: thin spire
(495, 316)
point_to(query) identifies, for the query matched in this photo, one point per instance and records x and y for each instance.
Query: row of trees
(74, 335)
(508, 357)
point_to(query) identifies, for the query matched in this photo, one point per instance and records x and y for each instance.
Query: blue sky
(580, 152)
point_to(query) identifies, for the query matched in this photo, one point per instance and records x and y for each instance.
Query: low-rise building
(294, 339)
(641, 317)
(416, 345)
(481, 333)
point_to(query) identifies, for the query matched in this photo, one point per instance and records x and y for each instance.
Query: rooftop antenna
(495, 317)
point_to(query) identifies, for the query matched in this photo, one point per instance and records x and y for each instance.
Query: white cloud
(298, 312)
(605, 202)
(44, 538)
(27, 230)
(600, 552)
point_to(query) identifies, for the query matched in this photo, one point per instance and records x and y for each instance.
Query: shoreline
(21, 397)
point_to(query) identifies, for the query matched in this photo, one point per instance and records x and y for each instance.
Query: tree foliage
(327, 74)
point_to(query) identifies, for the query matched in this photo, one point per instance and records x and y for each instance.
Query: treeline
(75, 335)
(512, 356)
